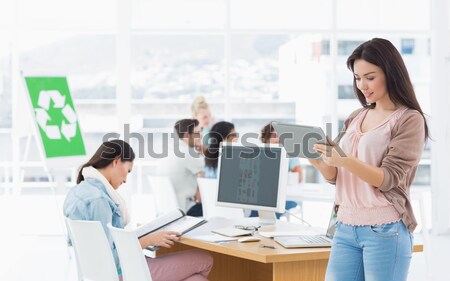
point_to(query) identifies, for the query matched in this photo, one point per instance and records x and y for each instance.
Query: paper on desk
(311, 231)
(214, 238)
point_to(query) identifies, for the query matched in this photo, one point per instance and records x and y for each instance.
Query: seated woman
(221, 131)
(95, 198)
(268, 135)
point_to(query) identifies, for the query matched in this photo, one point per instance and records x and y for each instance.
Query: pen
(267, 246)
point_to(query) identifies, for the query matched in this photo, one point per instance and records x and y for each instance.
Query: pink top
(361, 203)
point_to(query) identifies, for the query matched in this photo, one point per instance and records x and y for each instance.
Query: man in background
(184, 164)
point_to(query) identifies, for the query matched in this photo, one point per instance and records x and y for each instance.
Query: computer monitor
(253, 177)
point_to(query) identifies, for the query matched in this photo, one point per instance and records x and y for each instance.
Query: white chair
(132, 260)
(73, 254)
(92, 251)
(164, 194)
(208, 192)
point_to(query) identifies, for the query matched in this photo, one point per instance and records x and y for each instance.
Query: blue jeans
(370, 253)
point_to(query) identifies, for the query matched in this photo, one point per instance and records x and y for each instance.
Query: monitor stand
(267, 217)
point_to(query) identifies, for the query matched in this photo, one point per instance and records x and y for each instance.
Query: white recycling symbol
(68, 130)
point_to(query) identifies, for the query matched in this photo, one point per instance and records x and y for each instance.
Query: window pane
(177, 67)
(5, 82)
(255, 65)
(178, 14)
(85, 14)
(346, 92)
(6, 12)
(346, 47)
(383, 14)
(423, 175)
(304, 72)
(88, 61)
(6, 155)
(281, 14)
(407, 46)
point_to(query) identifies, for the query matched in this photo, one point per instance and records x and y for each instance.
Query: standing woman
(200, 111)
(382, 143)
(95, 198)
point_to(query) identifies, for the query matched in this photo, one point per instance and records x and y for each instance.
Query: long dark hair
(383, 54)
(219, 132)
(106, 153)
(266, 133)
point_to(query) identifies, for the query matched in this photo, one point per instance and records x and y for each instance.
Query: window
(88, 61)
(6, 13)
(178, 14)
(68, 14)
(255, 66)
(346, 92)
(177, 67)
(383, 15)
(423, 175)
(345, 48)
(407, 46)
(5, 82)
(281, 14)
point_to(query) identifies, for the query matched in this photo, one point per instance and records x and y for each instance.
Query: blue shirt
(89, 201)
(205, 135)
(210, 172)
(293, 162)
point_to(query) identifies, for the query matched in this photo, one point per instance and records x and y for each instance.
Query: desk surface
(252, 250)
(250, 262)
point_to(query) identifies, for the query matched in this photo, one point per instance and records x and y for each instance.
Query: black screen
(249, 175)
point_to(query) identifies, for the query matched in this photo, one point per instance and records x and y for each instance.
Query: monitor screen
(252, 177)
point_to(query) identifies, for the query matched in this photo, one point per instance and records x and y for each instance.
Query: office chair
(132, 260)
(208, 191)
(92, 251)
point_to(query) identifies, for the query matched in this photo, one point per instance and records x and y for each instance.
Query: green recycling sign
(55, 116)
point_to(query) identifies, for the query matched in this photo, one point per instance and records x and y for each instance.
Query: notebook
(311, 241)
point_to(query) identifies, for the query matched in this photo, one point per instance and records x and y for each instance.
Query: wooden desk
(249, 262)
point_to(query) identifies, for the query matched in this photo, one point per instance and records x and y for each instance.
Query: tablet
(299, 140)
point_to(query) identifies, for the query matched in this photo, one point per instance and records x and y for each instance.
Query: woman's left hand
(331, 154)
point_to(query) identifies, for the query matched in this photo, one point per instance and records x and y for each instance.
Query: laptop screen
(332, 224)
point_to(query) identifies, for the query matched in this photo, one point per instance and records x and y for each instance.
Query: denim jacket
(89, 201)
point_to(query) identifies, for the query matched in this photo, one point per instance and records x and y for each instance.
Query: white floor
(33, 248)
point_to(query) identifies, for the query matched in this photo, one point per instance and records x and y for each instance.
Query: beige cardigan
(400, 162)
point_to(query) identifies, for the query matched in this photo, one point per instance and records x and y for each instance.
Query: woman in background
(221, 132)
(200, 111)
(95, 198)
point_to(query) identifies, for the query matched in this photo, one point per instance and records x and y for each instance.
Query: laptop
(311, 241)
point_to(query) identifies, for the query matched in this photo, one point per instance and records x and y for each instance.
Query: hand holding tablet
(299, 140)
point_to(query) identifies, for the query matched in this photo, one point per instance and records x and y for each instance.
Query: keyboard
(303, 241)
(314, 239)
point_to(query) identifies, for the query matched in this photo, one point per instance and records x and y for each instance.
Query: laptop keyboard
(314, 239)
